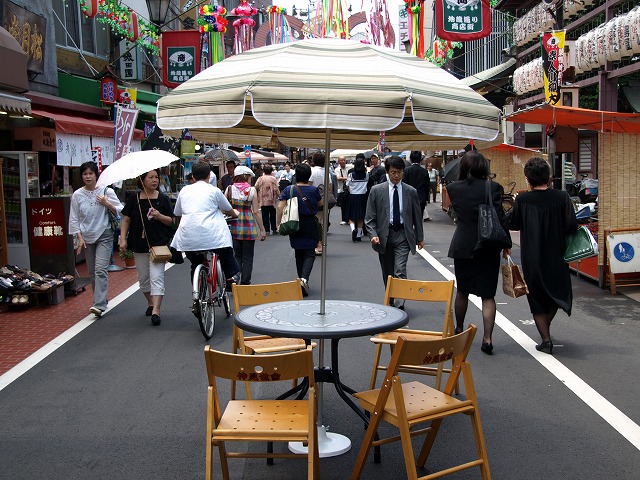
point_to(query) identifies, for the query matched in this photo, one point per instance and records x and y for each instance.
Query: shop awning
(578, 118)
(14, 103)
(80, 125)
(13, 77)
(492, 78)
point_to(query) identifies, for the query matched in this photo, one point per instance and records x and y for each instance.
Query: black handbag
(491, 234)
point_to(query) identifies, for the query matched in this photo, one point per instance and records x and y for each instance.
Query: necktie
(396, 208)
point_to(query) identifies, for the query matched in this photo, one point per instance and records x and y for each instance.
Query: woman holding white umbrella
(89, 222)
(146, 222)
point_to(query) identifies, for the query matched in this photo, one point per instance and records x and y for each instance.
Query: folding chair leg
(405, 435)
(209, 460)
(365, 447)
(478, 435)
(224, 466)
(376, 362)
(428, 442)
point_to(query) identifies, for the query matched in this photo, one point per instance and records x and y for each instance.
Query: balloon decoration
(212, 25)
(280, 29)
(379, 30)
(243, 39)
(124, 22)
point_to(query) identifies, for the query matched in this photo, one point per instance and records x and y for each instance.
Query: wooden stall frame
(613, 282)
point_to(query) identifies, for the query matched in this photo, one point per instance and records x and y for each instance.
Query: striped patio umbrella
(330, 93)
(352, 89)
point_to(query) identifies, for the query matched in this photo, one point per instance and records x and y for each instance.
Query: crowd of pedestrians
(385, 201)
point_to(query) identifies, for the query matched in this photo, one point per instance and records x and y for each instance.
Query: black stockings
(543, 322)
(488, 314)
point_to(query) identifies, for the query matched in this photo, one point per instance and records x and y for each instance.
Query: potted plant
(128, 257)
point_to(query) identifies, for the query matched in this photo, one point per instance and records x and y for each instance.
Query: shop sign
(29, 30)
(47, 229)
(553, 64)
(125, 125)
(42, 139)
(463, 20)
(403, 26)
(130, 61)
(180, 56)
(72, 150)
(96, 156)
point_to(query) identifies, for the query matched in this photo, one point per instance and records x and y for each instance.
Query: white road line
(42, 353)
(612, 415)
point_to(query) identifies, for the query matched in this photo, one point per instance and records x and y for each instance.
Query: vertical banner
(180, 56)
(125, 125)
(463, 20)
(96, 156)
(553, 64)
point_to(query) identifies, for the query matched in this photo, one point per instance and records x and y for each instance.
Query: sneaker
(96, 311)
(343, 223)
(305, 287)
(155, 319)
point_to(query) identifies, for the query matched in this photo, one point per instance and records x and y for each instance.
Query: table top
(302, 319)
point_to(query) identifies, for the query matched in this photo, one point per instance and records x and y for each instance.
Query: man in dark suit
(394, 221)
(418, 178)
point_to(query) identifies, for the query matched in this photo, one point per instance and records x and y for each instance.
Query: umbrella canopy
(222, 154)
(451, 170)
(133, 165)
(305, 88)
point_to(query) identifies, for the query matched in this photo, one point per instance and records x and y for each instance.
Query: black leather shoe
(546, 347)
(487, 348)
(457, 330)
(155, 319)
(354, 235)
(149, 311)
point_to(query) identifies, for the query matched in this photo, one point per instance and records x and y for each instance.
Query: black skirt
(478, 275)
(357, 206)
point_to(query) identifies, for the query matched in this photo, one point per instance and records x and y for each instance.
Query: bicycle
(209, 291)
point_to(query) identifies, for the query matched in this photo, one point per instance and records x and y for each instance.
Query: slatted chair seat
(264, 344)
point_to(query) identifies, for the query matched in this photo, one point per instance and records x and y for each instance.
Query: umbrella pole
(325, 224)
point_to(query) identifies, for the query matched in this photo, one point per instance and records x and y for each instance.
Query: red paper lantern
(133, 28)
(89, 8)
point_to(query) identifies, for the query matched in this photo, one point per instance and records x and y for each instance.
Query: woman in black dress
(476, 269)
(544, 217)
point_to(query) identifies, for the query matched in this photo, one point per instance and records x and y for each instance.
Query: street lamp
(158, 10)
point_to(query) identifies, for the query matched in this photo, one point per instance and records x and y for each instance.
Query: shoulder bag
(158, 253)
(580, 245)
(290, 221)
(490, 231)
(114, 220)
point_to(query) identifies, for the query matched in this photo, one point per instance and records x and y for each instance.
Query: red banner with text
(463, 20)
(180, 56)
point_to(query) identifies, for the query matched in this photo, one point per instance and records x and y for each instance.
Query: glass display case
(21, 180)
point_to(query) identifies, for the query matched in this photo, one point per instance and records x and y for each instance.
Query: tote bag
(490, 231)
(580, 245)
(290, 221)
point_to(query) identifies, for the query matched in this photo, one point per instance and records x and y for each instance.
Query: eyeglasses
(396, 173)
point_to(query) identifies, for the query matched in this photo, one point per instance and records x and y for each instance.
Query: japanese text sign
(463, 20)
(47, 229)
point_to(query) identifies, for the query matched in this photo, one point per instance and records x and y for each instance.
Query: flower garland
(441, 51)
(123, 22)
(243, 39)
(212, 25)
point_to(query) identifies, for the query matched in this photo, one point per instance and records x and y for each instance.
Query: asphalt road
(125, 400)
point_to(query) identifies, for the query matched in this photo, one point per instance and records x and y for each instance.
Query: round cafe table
(341, 319)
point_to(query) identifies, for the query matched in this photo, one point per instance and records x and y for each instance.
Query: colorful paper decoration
(441, 50)
(212, 25)
(379, 30)
(243, 39)
(280, 29)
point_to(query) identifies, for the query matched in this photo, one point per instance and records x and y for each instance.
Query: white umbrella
(133, 165)
(324, 92)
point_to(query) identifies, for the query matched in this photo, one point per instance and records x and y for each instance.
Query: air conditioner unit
(507, 127)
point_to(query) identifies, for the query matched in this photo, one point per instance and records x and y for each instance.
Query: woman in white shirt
(89, 222)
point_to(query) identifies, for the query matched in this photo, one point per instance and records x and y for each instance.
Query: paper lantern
(601, 45)
(624, 35)
(133, 30)
(634, 29)
(89, 8)
(611, 40)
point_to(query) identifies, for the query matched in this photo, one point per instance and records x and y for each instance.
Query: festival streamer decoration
(124, 22)
(333, 19)
(212, 26)
(243, 39)
(379, 30)
(280, 29)
(415, 13)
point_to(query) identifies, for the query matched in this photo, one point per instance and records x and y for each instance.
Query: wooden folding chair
(410, 404)
(420, 291)
(250, 295)
(261, 420)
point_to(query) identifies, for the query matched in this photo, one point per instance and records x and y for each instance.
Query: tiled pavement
(22, 332)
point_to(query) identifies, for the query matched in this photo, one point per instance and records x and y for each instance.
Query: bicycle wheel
(207, 317)
(223, 293)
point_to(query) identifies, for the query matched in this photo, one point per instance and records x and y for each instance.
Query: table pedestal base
(329, 444)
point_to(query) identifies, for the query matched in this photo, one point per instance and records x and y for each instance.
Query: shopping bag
(290, 221)
(513, 283)
(580, 245)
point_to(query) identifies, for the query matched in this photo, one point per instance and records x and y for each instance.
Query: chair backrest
(250, 295)
(259, 368)
(423, 291)
(431, 351)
